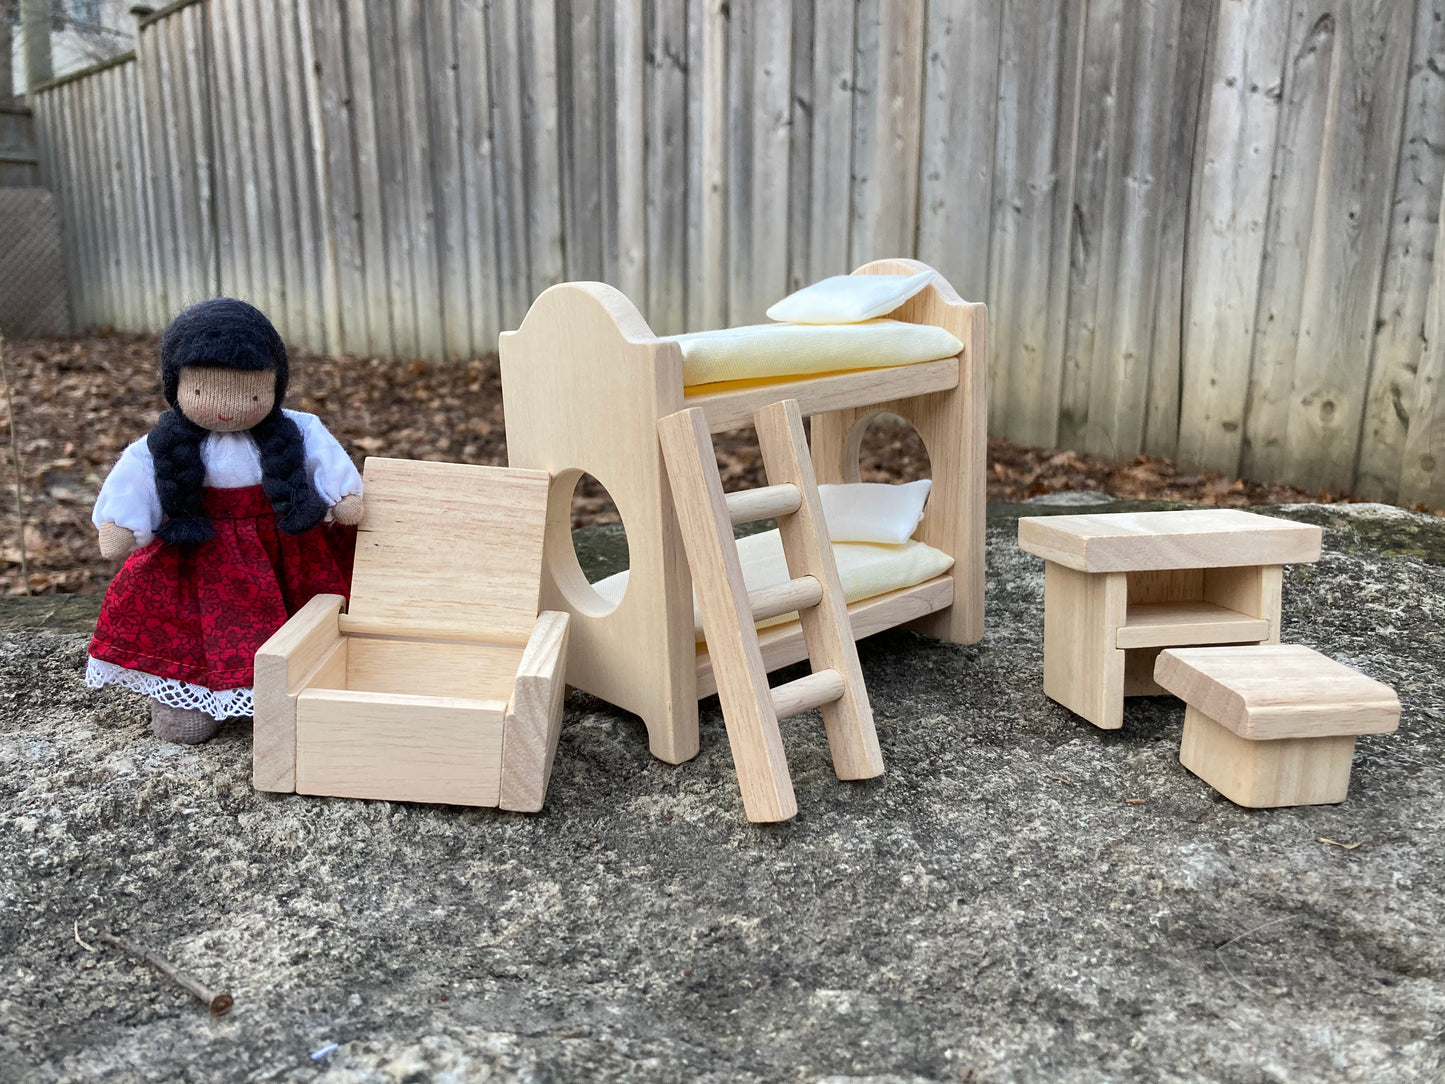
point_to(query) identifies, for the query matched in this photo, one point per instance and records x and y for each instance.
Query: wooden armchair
(442, 682)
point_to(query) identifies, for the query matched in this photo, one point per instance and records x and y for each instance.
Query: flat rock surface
(1021, 897)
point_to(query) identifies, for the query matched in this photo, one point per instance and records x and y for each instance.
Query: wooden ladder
(751, 709)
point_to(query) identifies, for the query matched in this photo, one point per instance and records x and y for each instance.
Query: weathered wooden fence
(1205, 230)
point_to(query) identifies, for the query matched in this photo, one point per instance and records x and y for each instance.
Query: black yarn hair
(228, 334)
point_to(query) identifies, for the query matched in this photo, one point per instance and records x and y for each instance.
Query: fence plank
(960, 92)
(446, 126)
(366, 147)
(631, 141)
(1408, 263)
(80, 260)
(149, 285)
(666, 167)
(478, 196)
(311, 147)
(760, 259)
(579, 89)
(390, 36)
(200, 92)
(1229, 228)
(830, 191)
(1118, 388)
(1161, 428)
(1347, 243)
(542, 147)
(86, 162)
(1299, 157)
(886, 156)
(1039, 71)
(282, 180)
(710, 286)
(309, 301)
(1097, 164)
(419, 184)
(1422, 472)
(800, 150)
(509, 180)
(162, 170)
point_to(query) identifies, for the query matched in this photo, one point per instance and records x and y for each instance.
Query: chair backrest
(449, 549)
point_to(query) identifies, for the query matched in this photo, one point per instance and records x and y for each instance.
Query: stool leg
(1083, 670)
(1265, 774)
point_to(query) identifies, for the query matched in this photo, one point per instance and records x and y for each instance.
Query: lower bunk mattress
(866, 569)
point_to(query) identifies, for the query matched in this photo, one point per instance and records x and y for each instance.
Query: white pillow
(767, 351)
(865, 569)
(873, 511)
(848, 299)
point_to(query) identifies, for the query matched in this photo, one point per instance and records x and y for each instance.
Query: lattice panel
(33, 298)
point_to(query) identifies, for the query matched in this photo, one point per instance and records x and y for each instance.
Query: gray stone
(992, 909)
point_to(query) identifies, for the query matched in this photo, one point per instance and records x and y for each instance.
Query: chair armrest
(534, 715)
(282, 663)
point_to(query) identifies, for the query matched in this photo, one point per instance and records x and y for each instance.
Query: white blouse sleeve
(128, 497)
(332, 472)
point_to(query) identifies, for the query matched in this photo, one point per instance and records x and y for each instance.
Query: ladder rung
(821, 687)
(796, 594)
(765, 502)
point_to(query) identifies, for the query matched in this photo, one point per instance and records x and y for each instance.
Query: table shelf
(1183, 624)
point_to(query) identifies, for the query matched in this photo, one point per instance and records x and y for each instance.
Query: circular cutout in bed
(891, 450)
(587, 566)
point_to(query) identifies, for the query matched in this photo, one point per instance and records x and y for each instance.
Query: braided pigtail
(294, 499)
(175, 447)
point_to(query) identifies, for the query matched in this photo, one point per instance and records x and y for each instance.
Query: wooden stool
(1274, 724)
(1118, 588)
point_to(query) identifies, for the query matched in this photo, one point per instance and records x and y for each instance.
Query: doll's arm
(332, 472)
(128, 510)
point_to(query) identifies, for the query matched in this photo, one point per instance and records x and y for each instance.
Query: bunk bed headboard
(584, 383)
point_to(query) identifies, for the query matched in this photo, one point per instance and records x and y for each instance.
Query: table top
(1151, 541)
(1272, 691)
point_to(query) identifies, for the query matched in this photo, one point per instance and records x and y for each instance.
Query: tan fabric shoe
(184, 725)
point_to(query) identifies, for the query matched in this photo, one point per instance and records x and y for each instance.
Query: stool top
(1269, 691)
(1150, 541)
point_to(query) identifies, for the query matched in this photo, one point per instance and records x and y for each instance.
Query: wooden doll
(223, 510)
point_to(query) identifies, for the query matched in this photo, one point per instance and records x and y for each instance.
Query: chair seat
(1275, 691)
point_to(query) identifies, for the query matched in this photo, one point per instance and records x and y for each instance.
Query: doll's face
(225, 400)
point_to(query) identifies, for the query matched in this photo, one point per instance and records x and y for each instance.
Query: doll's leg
(185, 725)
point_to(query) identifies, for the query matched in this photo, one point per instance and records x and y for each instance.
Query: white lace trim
(218, 704)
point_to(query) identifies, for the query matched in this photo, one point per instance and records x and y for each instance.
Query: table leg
(1083, 670)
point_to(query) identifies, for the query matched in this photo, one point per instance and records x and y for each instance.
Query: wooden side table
(1120, 588)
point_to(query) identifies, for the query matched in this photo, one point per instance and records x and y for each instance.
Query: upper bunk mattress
(765, 351)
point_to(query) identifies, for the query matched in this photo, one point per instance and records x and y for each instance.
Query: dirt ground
(78, 401)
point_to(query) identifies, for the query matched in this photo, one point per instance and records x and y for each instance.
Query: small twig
(1337, 843)
(15, 453)
(219, 1004)
(80, 941)
(1219, 949)
(1135, 801)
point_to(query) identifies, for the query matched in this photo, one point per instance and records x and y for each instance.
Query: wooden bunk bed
(585, 383)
